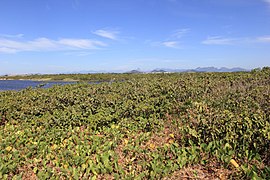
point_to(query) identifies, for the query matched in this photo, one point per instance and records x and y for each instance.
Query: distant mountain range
(199, 69)
(222, 69)
(158, 70)
(163, 70)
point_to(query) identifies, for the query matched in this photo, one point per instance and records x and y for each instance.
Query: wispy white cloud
(45, 44)
(110, 34)
(264, 39)
(167, 44)
(81, 43)
(7, 50)
(78, 53)
(218, 40)
(179, 33)
(267, 1)
(11, 35)
(173, 41)
(171, 44)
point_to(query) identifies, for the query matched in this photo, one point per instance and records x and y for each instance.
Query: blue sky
(54, 36)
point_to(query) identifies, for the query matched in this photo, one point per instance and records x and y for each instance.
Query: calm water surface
(22, 84)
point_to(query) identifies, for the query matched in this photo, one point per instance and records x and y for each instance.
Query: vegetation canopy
(143, 126)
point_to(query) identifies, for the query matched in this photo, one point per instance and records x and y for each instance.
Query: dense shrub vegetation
(147, 126)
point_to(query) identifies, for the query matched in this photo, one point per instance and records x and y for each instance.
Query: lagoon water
(22, 84)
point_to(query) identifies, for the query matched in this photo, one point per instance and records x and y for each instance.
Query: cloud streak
(11, 36)
(45, 44)
(267, 1)
(179, 33)
(109, 34)
(217, 40)
(171, 44)
(173, 41)
(264, 39)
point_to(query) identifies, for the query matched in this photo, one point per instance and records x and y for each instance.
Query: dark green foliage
(141, 125)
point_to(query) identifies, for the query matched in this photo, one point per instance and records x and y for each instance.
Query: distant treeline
(98, 76)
